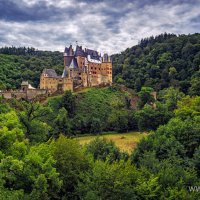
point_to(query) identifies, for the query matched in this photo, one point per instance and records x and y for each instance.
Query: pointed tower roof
(79, 51)
(105, 57)
(69, 51)
(65, 72)
(73, 64)
(66, 50)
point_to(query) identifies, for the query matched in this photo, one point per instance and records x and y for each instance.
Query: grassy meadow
(125, 141)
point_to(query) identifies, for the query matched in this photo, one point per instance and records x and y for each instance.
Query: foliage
(26, 171)
(68, 102)
(87, 110)
(62, 123)
(36, 163)
(71, 161)
(170, 97)
(34, 124)
(145, 96)
(188, 108)
(195, 87)
(102, 149)
(149, 118)
(105, 181)
(22, 63)
(163, 165)
(160, 62)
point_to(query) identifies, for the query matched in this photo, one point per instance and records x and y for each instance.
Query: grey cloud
(108, 26)
(196, 19)
(11, 10)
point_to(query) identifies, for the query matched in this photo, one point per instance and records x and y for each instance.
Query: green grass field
(125, 141)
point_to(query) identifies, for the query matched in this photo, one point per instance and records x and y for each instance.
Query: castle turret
(68, 55)
(24, 86)
(105, 57)
(80, 56)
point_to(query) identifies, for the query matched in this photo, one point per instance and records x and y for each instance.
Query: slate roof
(105, 57)
(65, 72)
(69, 51)
(79, 51)
(73, 64)
(93, 54)
(66, 50)
(50, 73)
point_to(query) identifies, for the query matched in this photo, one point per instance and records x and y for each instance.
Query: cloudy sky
(106, 25)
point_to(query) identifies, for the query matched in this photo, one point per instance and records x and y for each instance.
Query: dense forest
(17, 64)
(41, 158)
(160, 62)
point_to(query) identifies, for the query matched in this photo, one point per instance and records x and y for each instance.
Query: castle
(82, 68)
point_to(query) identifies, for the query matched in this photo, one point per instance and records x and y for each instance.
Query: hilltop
(166, 60)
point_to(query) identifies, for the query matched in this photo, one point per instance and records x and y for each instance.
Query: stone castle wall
(29, 94)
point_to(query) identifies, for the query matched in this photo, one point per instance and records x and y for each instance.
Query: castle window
(99, 68)
(95, 68)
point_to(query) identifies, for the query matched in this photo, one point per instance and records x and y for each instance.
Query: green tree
(101, 149)
(138, 85)
(196, 160)
(70, 162)
(171, 96)
(150, 118)
(109, 181)
(145, 96)
(68, 102)
(95, 125)
(62, 123)
(34, 121)
(188, 108)
(26, 171)
(195, 86)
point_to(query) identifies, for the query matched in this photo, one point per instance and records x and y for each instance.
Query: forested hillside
(160, 62)
(39, 160)
(40, 157)
(17, 64)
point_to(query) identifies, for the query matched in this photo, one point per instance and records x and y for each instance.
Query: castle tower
(80, 56)
(107, 69)
(68, 55)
